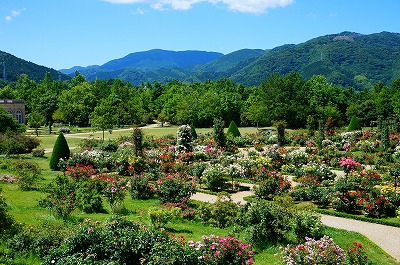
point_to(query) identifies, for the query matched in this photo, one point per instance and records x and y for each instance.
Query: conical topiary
(60, 150)
(233, 130)
(354, 125)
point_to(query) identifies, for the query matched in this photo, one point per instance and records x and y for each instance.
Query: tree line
(112, 102)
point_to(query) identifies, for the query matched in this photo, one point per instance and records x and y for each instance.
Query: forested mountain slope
(15, 66)
(347, 59)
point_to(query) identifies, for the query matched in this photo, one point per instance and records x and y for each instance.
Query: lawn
(74, 138)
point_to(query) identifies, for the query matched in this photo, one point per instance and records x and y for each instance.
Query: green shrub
(38, 152)
(109, 146)
(354, 125)
(9, 124)
(40, 240)
(159, 217)
(62, 197)
(60, 151)
(266, 222)
(119, 241)
(194, 133)
(213, 177)
(222, 213)
(280, 128)
(17, 144)
(271, 183)
(8, 226)
(174, 188)
(28, 173)
(307, 224)
(233, 130)
(88, 197)
(90, 143)
(140, 188)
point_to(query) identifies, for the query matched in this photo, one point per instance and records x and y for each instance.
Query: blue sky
(65, 33)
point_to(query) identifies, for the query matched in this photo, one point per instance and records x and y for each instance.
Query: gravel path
(386, 237)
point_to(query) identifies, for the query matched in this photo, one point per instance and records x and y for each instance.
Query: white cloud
(138, 11)
(245, 6)
(15, 13)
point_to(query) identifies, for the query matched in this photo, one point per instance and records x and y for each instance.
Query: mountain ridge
(346, 58)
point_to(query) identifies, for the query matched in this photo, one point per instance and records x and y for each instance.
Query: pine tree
(219, 135)
(60, 150)
(280, 128)
(194, 133)
(233, 130)
(138, 141)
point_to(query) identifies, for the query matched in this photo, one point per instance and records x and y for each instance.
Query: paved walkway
(386, 237)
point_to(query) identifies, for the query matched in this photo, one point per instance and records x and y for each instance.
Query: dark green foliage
(60, 151)
(219, 135)
(137, 137)
(194, 133)
(8, 123)
(119, 241)
(321, 135)
(354, 125)
(280, 128)
(233, 130)
(267, 222)
(17, 67)
(328, 56)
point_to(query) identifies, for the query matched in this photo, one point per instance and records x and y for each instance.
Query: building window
(19, 117)
(11, 113)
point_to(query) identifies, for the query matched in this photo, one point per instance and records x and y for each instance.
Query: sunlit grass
(74, 139)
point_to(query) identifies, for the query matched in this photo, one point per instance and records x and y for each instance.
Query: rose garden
(128, 200)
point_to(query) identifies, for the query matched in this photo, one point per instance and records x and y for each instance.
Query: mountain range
(347, 59)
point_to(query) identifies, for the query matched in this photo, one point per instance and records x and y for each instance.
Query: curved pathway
(386, 237)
